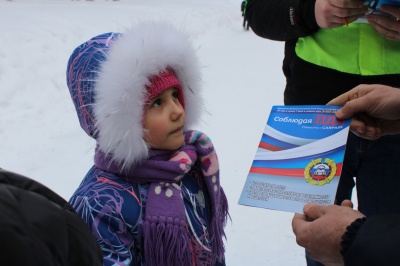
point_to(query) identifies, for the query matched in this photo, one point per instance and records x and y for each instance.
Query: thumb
(347, 203)
(313, 211)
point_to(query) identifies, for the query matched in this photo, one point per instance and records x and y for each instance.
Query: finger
(385, 26)
(391, 10)
(347, 203)
(300, 227)
(335, 21)
(298, 218)
(352, 12)
(313, 211)
(341, 99)
(298, 222)
(342, 15)
(352, 94)
(360, 129)
(351, 108)
(369, 136)
(354, 18)
(373, 133)
(365, 126)
(353, 102)
(358, 126)
(369, 133)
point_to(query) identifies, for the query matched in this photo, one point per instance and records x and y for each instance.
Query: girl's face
(164, 118)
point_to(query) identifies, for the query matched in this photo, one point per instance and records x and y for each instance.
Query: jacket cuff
(307, 8)
(350, 234)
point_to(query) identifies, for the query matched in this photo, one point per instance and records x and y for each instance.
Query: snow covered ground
(39, 130)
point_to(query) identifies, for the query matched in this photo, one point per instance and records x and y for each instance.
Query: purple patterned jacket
(113, 208)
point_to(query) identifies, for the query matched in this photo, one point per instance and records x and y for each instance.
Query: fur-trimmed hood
(107, 76)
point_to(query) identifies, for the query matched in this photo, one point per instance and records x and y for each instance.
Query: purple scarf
(166, 241)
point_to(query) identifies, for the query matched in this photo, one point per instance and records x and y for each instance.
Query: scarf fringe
(217, 225)
(166, 242)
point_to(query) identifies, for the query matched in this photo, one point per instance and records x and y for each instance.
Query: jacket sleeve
(109, 228)
(376, 243)
(281, 20)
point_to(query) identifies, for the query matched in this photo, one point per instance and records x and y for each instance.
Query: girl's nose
(176, 110)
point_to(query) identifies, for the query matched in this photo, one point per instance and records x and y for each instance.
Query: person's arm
(377, 242)
(323, 234)
(284, 20)
(281, 20)
(387, 26)
(375, 110)
(339, 234)
(336, 13)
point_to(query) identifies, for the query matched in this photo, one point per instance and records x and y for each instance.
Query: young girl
(153, 196)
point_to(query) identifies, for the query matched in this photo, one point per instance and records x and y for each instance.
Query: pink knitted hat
(161, 82)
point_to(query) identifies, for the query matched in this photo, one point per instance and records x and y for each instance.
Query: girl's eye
(175, 94)
(156, 103)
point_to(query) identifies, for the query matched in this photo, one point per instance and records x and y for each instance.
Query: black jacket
(287, 20)
(376, 243)
(38, 227)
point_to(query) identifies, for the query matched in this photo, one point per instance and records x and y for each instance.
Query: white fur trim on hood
(138, 54)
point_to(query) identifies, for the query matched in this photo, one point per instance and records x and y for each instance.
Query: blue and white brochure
(374, 8)
(299, 159)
